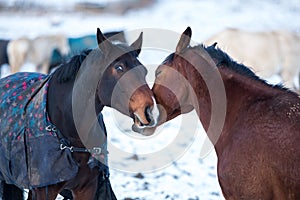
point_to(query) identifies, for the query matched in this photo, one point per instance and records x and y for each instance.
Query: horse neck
(60, 109)
(241, 92)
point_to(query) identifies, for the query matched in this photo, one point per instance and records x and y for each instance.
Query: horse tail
(11, 192)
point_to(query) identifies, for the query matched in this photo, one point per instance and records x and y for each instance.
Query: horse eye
(119, 68)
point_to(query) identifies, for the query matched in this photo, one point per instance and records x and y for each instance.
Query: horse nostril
(148, 114)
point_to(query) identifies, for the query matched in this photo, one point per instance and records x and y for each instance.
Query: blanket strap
(65, 144)
(94, 150)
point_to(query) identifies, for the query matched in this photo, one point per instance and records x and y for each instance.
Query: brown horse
(258, 144)
(49, 125)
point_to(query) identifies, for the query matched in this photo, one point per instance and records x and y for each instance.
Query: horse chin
(145, 124)
(149, 129)
(146, 131)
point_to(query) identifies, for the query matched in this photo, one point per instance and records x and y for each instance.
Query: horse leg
(11, 192)
(18, 52)
(288, 73)
(29, 197)
(86, 193)
(14, 64)
(45, 67)
(45, 193)
(66, 194)
(1, 189)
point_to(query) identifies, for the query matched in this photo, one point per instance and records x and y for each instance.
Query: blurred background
(262, 34)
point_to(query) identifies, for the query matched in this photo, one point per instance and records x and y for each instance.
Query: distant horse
(49, 137)
(78, 44)
(37, 51)
(267, 53)
(258, 146)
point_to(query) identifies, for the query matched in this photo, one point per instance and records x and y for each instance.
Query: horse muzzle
(146, 119)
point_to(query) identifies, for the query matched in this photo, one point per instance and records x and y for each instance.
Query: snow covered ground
(167, 165)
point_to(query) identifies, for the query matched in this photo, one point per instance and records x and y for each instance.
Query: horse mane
(169, 58)
(67, 71)
(224, 60)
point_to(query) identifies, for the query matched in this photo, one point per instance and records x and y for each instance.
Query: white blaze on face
(155, 113)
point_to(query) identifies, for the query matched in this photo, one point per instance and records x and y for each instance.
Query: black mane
(169, 58)
(224, 60)
(67, 71)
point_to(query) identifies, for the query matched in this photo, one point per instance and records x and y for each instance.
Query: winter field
(176, 162)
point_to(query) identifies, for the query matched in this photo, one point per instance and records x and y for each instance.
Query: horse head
(171, 89)
(123, 85)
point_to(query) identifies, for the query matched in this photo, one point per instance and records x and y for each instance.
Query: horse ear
(137, 45)
(103, 43)
(214, 44)
(184, 40)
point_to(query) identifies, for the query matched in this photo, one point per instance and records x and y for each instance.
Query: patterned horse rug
(30, 152)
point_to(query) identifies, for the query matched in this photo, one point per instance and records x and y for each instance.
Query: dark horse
(258, 144)
(50, 135)
(3, 53)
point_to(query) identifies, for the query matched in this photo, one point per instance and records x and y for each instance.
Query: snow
(167, 165)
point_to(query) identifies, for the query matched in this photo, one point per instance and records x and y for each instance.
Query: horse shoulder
(257, 160)
(282, 141)
(242, 170)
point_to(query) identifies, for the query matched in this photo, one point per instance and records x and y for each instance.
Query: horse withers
(51, 121)
(257, 141)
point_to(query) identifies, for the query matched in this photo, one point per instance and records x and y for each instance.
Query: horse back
(23, 128)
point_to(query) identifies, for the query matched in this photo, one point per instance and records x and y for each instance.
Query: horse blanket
(30, 152)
